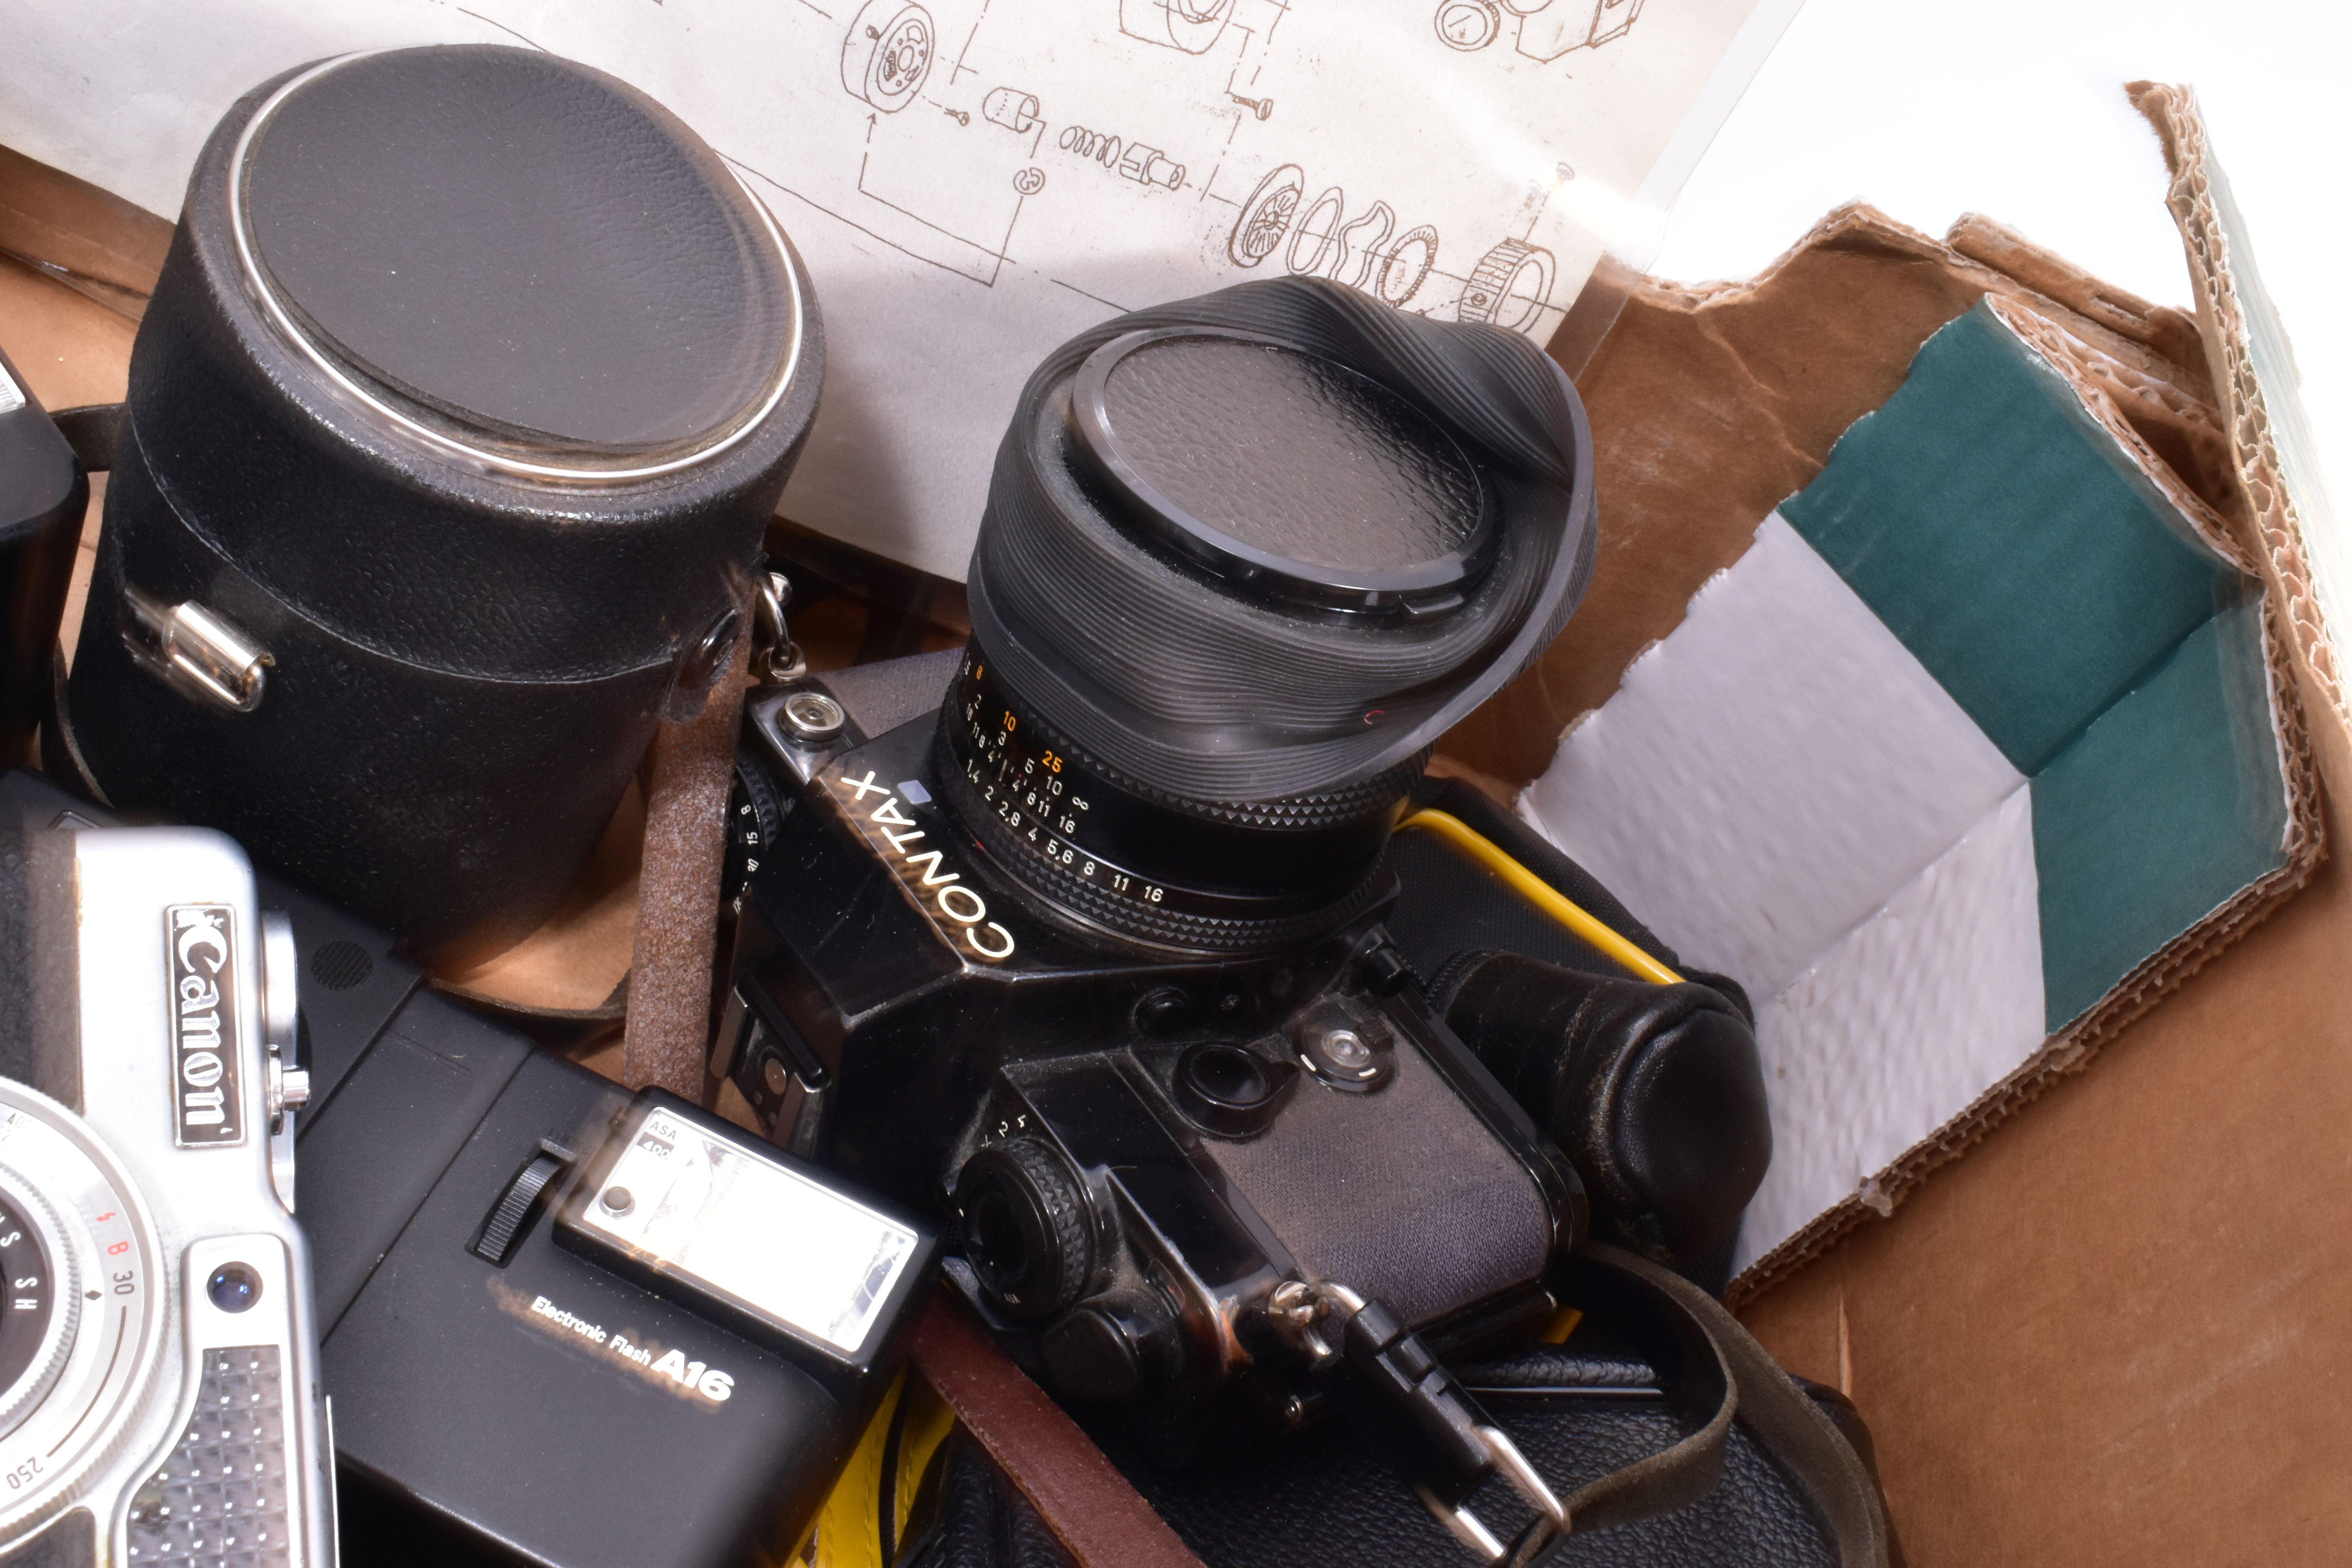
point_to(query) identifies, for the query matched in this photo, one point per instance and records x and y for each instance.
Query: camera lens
(234, 1288)
(1245, 557)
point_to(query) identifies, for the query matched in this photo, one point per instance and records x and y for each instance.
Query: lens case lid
(1282, 471)
(515, 260)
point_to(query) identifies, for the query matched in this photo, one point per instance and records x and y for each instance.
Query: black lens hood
(1221, 696)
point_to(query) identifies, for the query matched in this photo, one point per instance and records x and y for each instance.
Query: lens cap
(1282, 470)
(517, 253)
(1271, 543)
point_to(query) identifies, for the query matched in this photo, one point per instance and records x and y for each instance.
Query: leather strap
(1791, 1428)
(1102, 1522)
(1099, 1520)
(688, 772)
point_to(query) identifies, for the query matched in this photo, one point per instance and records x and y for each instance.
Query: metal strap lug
(775, 658)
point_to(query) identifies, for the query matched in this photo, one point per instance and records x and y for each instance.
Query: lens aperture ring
(1375, 798)
(1136, 862)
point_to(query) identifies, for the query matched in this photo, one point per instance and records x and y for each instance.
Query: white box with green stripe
(1978, 739)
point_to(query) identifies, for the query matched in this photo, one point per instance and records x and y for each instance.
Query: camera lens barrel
(1246, 558)
(1119, 853)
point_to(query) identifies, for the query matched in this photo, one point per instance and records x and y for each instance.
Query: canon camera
(159, 1363)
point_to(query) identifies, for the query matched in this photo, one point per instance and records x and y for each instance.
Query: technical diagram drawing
(1261, 107)
(1151, 166)
(1130, 160)
(1468, 25)
(1011, 108)
(1547, 28)
(888, 53)
(1320, 224)
(1511, 286)
(1191, 26)
(1360, 245)
(1407, 266)
(1266, 217)
(1325, 242)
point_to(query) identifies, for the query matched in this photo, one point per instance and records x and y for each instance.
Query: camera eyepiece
(1246, 558)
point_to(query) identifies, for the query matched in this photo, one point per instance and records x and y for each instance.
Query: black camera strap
(1452, 1447)
(1101, 1522)
(1789, 1423)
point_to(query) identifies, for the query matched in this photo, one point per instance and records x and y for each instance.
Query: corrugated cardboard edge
(2290, 627)
(2221, 321)
(90, 240)
(1662, 539)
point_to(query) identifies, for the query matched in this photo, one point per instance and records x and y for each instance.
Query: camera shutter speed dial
(1028, 1230)
(754, 812)
(38, 1311)
(64, 1413)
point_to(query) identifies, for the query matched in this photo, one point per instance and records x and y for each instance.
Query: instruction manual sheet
(972, 181)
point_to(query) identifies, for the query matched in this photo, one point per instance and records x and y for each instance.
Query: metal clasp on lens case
(196, 652)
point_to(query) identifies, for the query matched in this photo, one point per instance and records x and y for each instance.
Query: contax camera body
(1139, 1148)
(1075, 939)
(158, 1348)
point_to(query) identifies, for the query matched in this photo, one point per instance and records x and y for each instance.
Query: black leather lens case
(468, 390)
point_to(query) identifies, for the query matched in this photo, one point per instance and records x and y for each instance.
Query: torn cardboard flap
(1712, 403)
(2112, 1334)
(1983, 725)
(2273, 469)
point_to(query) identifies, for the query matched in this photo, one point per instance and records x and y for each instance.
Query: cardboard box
(2107, 1334)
